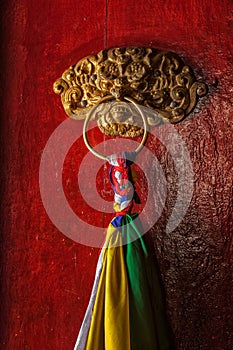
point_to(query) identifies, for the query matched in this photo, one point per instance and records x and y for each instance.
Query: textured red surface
(46, 277)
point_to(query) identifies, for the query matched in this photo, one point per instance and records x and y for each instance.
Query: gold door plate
(155, 79)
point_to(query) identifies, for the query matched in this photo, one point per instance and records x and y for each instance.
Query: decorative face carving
(119, 118)
(151, 78)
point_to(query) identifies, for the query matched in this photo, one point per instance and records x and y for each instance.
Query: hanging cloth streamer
(125, 310)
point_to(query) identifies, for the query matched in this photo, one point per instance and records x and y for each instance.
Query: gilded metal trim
(152, 78)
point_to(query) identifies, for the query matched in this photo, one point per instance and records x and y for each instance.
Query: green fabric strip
(148, 327)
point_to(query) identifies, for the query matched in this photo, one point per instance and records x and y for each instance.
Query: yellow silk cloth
(110, 324)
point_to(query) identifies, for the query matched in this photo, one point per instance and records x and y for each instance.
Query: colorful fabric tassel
(125, 311)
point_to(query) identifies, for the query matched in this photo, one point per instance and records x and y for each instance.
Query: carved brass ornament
(155, 79)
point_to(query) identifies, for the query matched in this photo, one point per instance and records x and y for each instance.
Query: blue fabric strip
(117, 221)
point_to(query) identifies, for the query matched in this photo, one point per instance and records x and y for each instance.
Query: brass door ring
(90, 114)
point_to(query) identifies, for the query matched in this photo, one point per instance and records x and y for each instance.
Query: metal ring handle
(106, 98)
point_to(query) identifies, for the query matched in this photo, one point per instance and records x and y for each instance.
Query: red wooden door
(47, 277)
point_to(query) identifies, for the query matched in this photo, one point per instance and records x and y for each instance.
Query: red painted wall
(47, 277)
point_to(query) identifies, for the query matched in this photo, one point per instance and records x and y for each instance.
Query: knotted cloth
(125, 310)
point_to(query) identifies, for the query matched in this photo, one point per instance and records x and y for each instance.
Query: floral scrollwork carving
(152, 78)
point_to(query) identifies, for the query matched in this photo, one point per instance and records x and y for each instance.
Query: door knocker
(127, 91)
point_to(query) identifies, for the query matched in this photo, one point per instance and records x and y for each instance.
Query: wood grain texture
(46, 277)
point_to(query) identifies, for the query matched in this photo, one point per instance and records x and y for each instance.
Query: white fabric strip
(84, 330)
